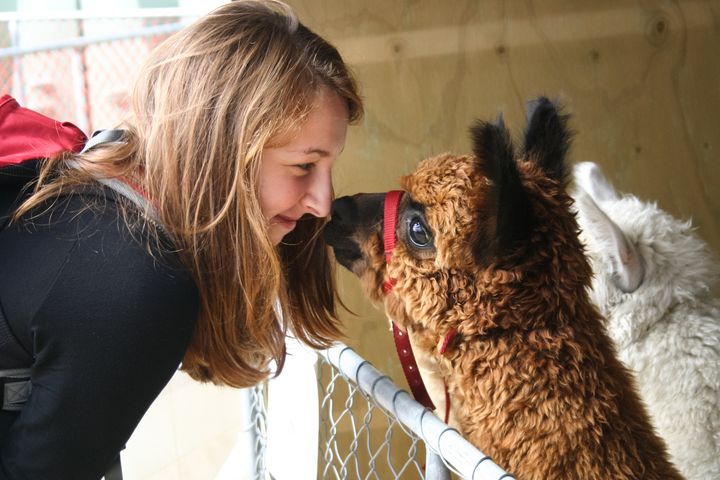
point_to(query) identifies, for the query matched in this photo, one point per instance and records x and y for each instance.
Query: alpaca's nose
(344, 211)
(360, 209)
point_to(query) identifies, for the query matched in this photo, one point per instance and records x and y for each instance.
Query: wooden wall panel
(641, 79)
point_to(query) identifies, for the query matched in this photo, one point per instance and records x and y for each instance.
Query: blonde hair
(206, 103)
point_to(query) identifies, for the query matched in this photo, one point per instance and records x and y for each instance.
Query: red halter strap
(402, 341)
(390, 210)
(410, 367)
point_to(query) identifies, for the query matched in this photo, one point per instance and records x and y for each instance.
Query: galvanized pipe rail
(446, 443)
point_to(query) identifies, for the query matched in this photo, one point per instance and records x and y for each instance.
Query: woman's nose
(318, 197)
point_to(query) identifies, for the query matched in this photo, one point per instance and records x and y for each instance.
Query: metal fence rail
(445, 446)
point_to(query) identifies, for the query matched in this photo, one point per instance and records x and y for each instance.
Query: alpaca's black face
(354, 220)
(356, 231)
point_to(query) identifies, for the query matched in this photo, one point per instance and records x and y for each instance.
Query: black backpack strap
(123, 188)
(103, 136)
(15, 388)
(115, 471)
(14, 383)
(13, 354)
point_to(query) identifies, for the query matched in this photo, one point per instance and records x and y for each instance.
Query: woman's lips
(286, 222)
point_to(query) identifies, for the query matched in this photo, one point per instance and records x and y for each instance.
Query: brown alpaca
(487, 246)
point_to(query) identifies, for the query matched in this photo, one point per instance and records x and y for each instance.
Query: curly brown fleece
(533, 375)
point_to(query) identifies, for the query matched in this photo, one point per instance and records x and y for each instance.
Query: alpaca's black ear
(547, 137)
(493, 148)
(506, 212)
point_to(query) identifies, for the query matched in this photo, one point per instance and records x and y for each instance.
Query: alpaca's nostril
(343, 210)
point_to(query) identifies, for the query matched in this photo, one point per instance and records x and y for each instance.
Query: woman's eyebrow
(318, 151)
(309, 151)
(314, 151)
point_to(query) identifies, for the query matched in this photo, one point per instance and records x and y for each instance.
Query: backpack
(27, 136)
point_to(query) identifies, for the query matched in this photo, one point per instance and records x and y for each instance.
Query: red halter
(402, 341)
(390, 210)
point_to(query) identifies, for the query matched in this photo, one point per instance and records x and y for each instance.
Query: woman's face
(295, 177)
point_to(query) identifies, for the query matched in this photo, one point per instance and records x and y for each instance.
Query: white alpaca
(653, 280)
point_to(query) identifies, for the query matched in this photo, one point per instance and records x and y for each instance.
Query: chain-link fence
(358, 438)
(80, 68)
(369, 428)
(258, 419)
(372, 429)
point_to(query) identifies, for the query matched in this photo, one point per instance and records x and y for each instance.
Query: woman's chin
(279, 230)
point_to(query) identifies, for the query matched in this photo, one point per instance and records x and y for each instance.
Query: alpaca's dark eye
(418, 233)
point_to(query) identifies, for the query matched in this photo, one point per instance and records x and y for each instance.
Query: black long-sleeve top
(105, 324)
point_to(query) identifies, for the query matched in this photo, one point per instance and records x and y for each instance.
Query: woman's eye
(306, 167)
(418, 233)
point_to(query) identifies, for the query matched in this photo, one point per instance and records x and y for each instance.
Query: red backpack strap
(26, 134)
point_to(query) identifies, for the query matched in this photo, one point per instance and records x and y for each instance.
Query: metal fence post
(435, 469)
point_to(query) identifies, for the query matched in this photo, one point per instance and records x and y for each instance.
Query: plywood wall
(641, 79)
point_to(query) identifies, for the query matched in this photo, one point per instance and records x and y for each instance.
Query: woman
(235, 126)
